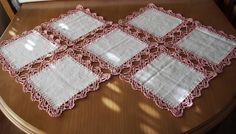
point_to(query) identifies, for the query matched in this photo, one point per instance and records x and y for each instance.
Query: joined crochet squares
(166, 56)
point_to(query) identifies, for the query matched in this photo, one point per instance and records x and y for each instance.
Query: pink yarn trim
(161, 9)
(6, 66)
(64, 45)
(166, 44)
(114, 70)
(175, 36)
(48, 28)
(156, 46)
(44, 62)
(141, 60)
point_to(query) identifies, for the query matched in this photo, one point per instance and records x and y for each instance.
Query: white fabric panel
(76, 25)
(27, 49)
(155, 22)
(62, 80)
(116, 47)
(207, 45)
(169, 79)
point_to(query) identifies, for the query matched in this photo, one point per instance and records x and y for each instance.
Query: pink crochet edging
(39, 65)
(175, 36)
(63, 43)
(83, 43)
(79, 46)
(156, 46)
(166, 42)
(128, 72)
(226, 61)
(48, 28)
(6, 65)
(183, 29)
(161, 9)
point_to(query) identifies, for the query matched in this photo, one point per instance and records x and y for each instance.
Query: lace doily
(89, 22)
(154, 20)
(123, 39)
(54, 71)
(151, 46)
(28, 49)
(63, 44)
(219, 55)
(167, 44)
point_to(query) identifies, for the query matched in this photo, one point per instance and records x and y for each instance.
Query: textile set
(166, 56)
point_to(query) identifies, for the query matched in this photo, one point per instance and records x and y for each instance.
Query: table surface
(116, 108)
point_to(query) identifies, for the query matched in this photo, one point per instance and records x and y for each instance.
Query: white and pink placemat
(168, 57)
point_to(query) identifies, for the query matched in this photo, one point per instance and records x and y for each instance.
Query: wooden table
(116, 108)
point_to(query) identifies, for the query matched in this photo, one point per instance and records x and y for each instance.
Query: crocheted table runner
(162, 54)
(187, 55)
(48, 69)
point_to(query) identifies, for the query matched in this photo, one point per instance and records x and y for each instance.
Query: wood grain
(116, 108)
(7, 8)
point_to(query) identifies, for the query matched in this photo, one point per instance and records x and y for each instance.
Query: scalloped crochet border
(41, 64)
(166, 45)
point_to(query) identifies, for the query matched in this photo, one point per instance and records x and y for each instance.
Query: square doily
(76, 25)
(61, 80)
(155, 22)
(116, 47)
(26, 49)
(169, 79)
(207, 45)
(162, 54)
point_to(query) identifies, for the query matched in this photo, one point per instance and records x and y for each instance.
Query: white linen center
(116, 47)
(207, 44)
(26, 49)
(169, 79)
(155, 22)
(76, 25)
(61, 80)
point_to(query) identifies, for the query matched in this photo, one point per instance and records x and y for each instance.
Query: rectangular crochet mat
(182, 57)
(43, 62)
(166, 56)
